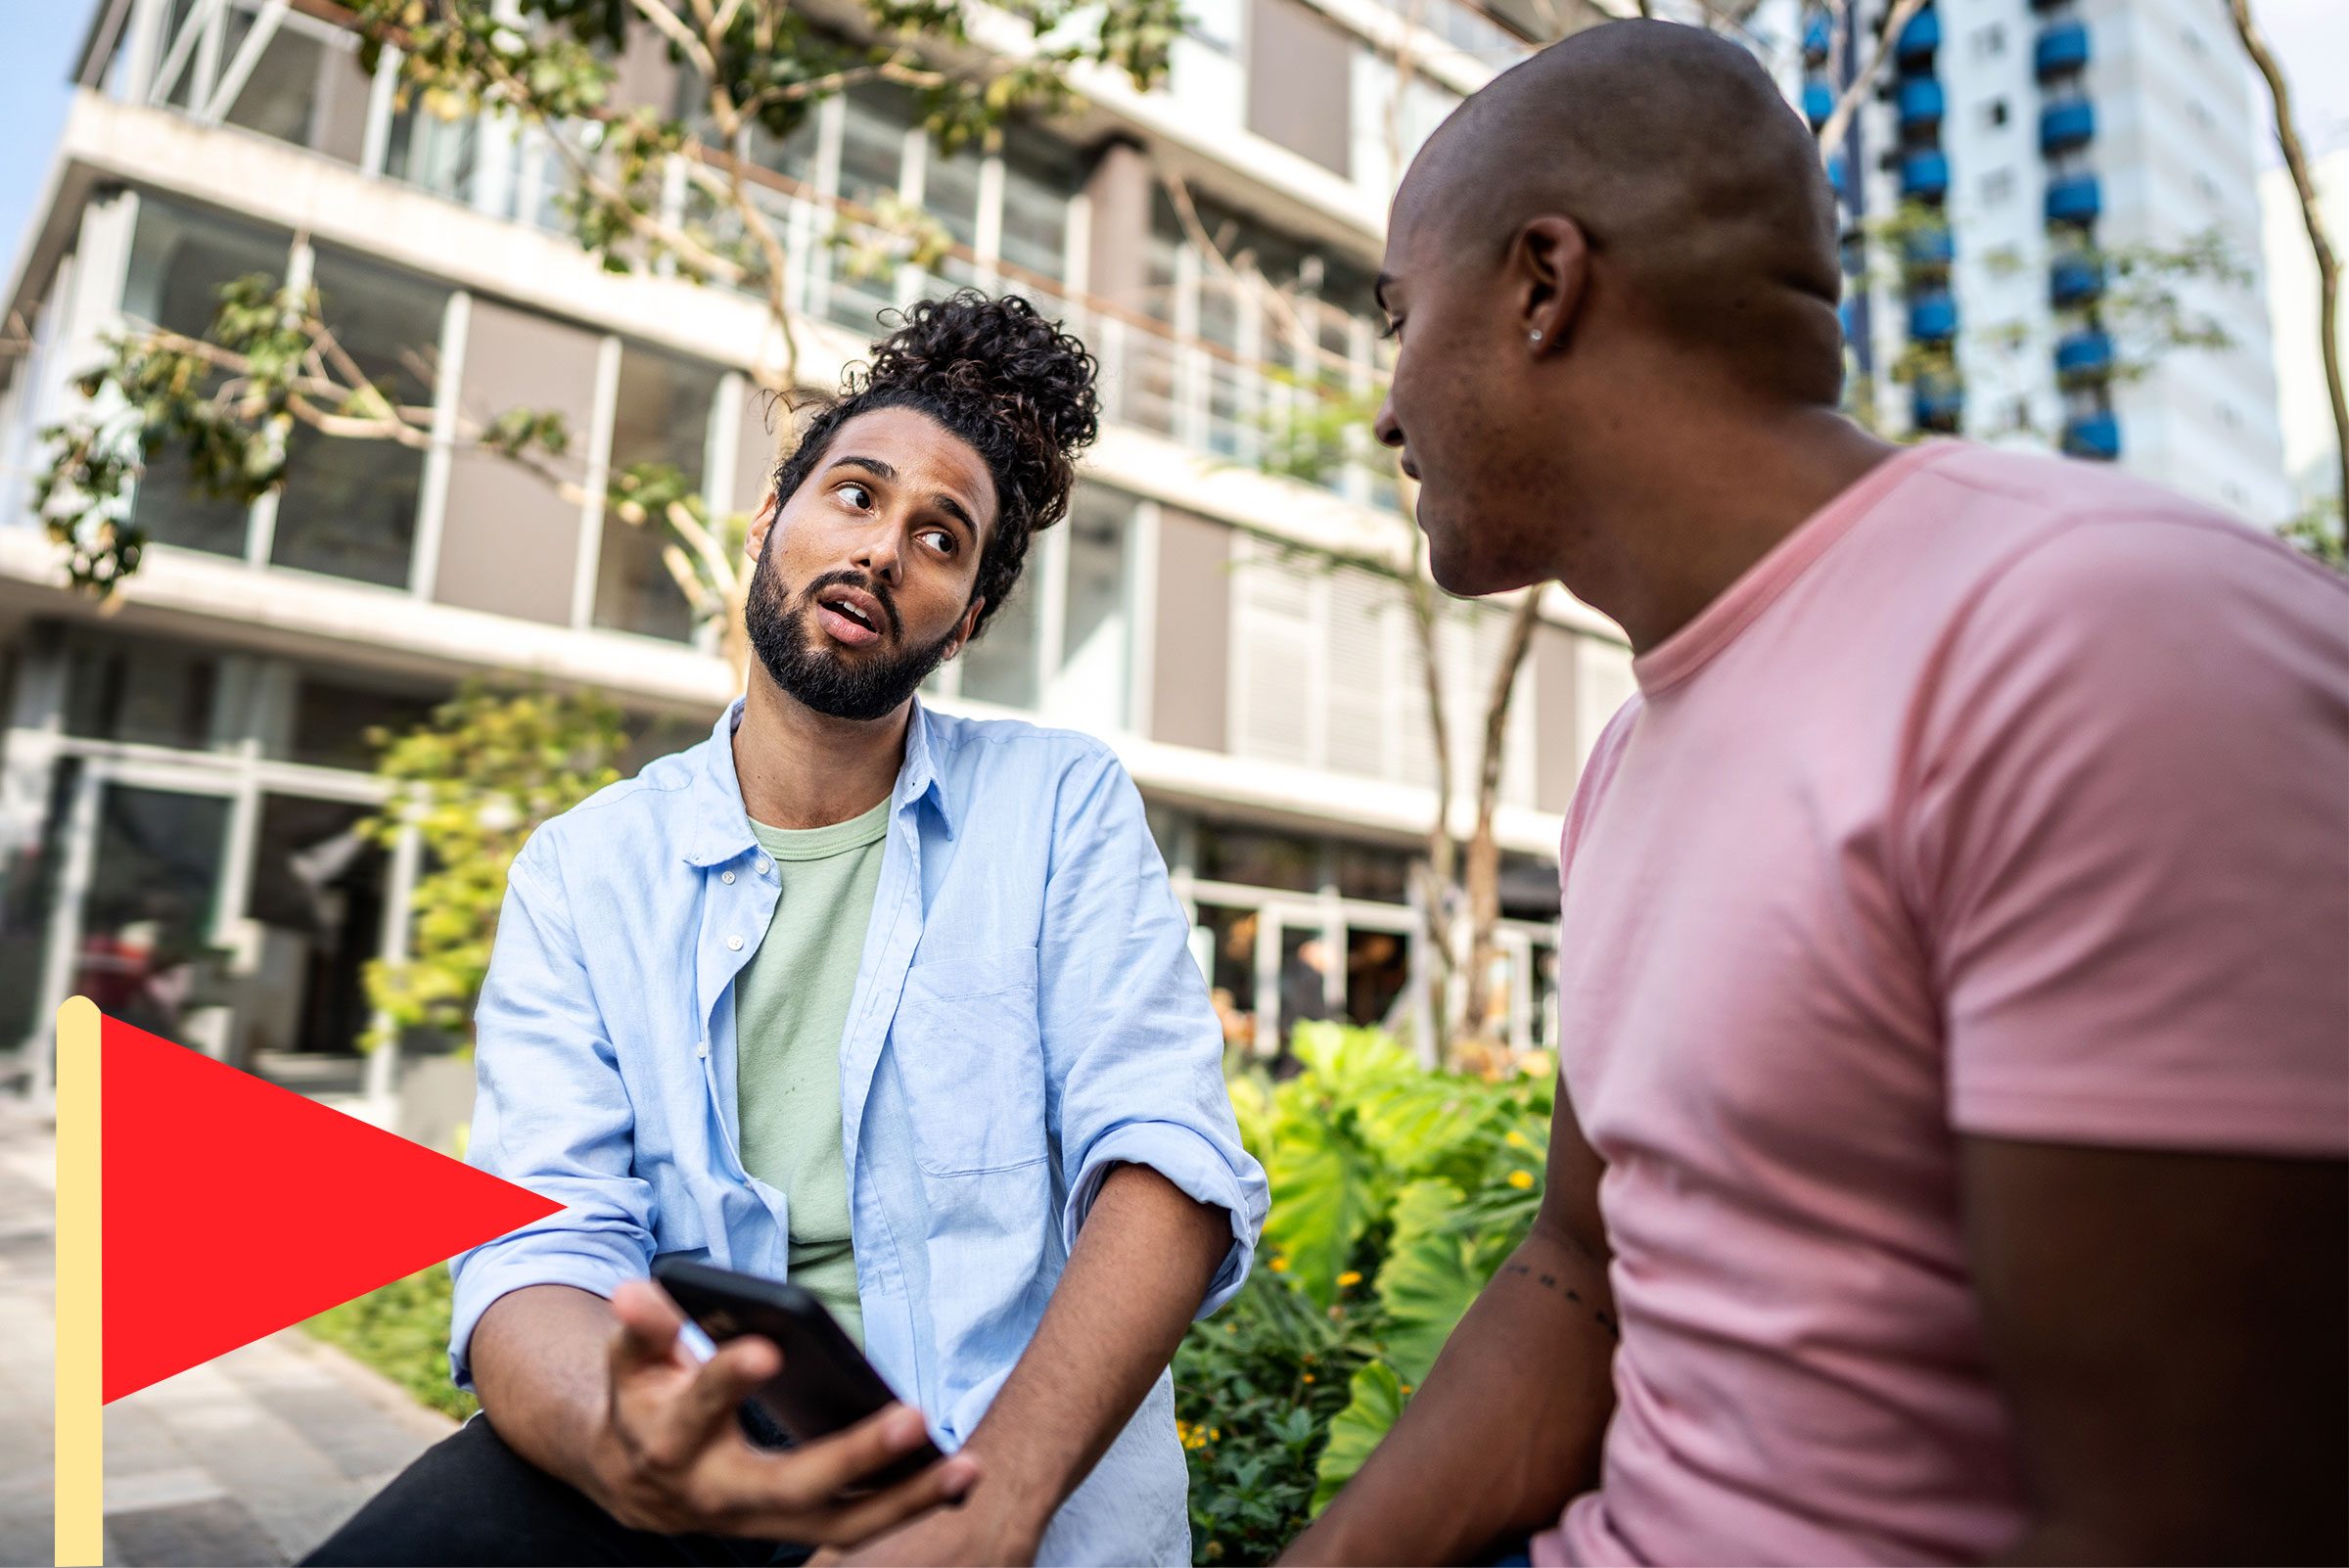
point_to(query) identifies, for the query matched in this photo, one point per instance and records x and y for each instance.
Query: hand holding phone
(675, 1458)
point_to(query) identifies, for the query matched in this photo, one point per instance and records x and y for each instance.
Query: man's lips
(844, 628)
(850, 614)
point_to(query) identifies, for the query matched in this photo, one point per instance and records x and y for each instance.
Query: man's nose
(1386, 427)
(877, 551)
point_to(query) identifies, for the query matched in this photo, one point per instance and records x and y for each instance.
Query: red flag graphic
(233, 1208)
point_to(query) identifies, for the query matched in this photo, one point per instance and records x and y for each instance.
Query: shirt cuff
(1196, 1169)
(486, 1275)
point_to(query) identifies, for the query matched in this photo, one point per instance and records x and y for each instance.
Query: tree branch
(1831, 131)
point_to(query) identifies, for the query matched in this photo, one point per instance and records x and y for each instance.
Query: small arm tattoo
(1598, 1314)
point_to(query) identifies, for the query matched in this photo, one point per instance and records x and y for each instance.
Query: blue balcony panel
(2085, 354)
(2075, 280)
(1925, 175)
(1921, 101)
(1934, 247)
(1818, 100)
(1933, 317)
(1919, 39)
(1819, 36)
(2066, 126)
(2096, 436)
(2074, 199)
(1937, 401)
(2061, 48)
(1839, 175)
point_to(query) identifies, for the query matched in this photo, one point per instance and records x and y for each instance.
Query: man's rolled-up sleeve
(549, 1114)
(1133, 1050)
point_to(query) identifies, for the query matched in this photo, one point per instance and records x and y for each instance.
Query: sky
(38, 39)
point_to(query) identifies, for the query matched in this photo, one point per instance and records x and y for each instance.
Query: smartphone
(825, 1386)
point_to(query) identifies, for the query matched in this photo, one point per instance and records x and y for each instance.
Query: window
(1990, 42)
(333, 715)
(661, 415)
(1039, 174)
(349, 507)
(1998, 187)
(1062, 641)
(1994, 113)
(142, 691)
(180, 258)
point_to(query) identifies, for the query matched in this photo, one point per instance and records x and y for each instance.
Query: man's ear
(754, 543)
(1550, 258)
(970, 623)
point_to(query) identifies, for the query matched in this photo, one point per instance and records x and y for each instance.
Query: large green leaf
(1429, 1123)
(1326, 1190)
(1430, 1278)
(1357, 1429)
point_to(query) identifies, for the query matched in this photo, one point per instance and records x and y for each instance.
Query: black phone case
(825, 1386)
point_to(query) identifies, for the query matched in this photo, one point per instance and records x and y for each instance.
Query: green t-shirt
(790, 1005)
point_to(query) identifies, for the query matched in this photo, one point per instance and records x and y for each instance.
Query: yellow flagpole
(80, 1376)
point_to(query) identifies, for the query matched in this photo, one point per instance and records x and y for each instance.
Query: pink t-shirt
(2006, 797)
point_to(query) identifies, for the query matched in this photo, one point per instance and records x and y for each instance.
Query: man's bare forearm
(539, 1366)
(1505, 1431)
(1133, 1282)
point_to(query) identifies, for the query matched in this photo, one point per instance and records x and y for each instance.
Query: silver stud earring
(1536, 337)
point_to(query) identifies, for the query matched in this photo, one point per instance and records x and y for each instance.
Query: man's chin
(1465, 573)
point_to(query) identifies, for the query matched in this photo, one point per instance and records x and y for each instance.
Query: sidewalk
(251, 1458)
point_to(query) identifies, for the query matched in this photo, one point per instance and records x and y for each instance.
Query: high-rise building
(180, 774)
(2311, 445)
(2012, 173)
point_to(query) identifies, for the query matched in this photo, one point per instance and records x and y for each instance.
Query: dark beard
(818, 677)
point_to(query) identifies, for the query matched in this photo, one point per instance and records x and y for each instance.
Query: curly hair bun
(1000, 354)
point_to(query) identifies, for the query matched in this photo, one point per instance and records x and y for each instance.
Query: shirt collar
(722, 825)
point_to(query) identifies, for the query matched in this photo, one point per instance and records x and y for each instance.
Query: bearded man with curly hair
(894, 1004)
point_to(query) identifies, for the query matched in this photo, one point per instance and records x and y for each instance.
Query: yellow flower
(1407, 1387)
(1522, 1180)
(1215, 1434)
(1516, 1141)
(1350, 1277)
(1281, 1264)
(1191, 1437)
(1309, 1377)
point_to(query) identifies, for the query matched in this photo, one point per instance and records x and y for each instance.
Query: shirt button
(702, 1048)
(725, 876)
(734, 944)
(762, 867)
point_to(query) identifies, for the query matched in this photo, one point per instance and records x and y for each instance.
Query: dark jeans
(468, 1499)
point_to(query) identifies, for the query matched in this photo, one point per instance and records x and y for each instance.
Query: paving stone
(144, 1489)
(30, 1538)
(194, 1535)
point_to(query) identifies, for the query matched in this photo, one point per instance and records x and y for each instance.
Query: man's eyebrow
(956, 510)
(871, 465)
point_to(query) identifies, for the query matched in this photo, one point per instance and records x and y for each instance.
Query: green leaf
(1357, 1429)
(1326, 1190)
(1430, 1279)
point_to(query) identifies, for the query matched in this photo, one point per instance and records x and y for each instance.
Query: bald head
(1696, 186)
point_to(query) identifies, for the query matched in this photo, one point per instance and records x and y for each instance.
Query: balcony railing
(1938, 402)
(2074, 199)
(1929, 249)
(1919, 39)
(2096, 436)
(1921, 103)
(2084, 355)
(1204, 394)
(1819, 102)
(2061, 48)
(2066, 126)
(2075, 280)
(1925, 177)
(1933, 317)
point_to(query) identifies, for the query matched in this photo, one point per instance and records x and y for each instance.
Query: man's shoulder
(963, 742)
(633, 817)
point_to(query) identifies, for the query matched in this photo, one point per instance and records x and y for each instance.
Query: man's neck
(1703, 523)
(799, 768)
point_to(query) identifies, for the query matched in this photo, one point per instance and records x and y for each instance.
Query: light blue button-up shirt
(1027, 1015)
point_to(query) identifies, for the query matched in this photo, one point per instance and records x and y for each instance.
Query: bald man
(1954, 974)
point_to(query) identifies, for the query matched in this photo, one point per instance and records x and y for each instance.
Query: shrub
(1396, 1193)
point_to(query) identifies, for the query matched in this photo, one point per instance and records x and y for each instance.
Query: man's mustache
(845, 579)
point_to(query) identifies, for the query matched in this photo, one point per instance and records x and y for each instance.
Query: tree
(230, 401)
(1320, 429)
(473, 782)
(2319, 241)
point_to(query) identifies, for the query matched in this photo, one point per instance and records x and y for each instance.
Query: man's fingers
(648, 1325)
(947, 1481)
(775, 1496)
(842, 1461)
(707, 1401)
